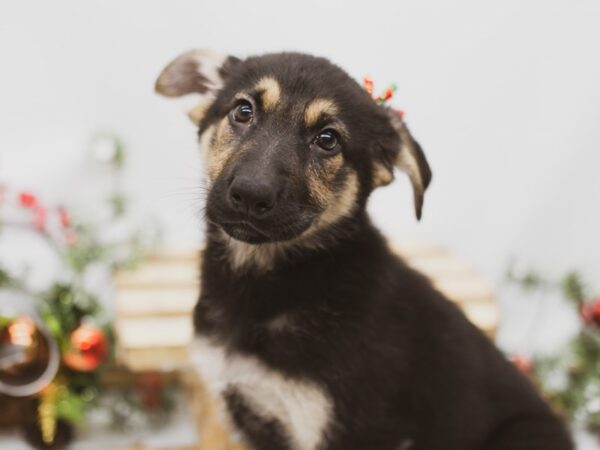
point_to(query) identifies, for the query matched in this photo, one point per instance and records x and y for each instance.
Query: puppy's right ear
(196, 75)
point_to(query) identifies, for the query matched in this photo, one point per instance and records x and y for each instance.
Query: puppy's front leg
(530, 433)
(260, 433)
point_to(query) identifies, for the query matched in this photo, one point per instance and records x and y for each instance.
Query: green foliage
(530, 280)
(4, 278)
(577, 367)
(573, 287)
(70, 406)
(68, 303)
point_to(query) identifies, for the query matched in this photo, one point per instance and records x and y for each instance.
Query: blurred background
(503, 97)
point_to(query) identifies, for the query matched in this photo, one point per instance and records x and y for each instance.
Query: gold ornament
(47, 413)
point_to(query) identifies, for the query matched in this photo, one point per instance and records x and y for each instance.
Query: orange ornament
(89, 347)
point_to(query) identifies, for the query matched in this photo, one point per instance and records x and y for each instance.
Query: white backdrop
(504, 98)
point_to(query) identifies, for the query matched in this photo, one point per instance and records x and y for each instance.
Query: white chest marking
(303, 408)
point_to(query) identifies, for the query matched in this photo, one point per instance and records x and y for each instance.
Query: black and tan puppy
(313, 332)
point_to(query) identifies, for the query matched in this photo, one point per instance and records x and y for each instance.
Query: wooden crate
(154, 327)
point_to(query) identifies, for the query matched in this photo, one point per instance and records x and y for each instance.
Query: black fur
(400, 361)
(402, 365)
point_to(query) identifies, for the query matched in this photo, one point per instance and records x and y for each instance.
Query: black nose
(253, 195)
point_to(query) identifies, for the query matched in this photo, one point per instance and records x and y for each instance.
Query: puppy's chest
(301, 409)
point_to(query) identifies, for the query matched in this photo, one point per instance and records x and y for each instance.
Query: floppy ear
(407, 155)
(196, 76)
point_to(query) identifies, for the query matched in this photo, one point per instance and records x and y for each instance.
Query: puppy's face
(293, 146)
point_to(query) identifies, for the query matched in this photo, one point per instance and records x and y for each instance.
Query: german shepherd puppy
(313, 333)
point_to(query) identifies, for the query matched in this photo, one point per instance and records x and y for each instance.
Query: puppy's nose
(252, 195)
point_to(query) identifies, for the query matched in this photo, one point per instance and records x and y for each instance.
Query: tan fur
(243, 255)
(280, 324)
(382, 176)
(216, 145)
(197, 113)
(341, 206)
(320, 179)
(270, 93)
(406, 161)
(318, 107)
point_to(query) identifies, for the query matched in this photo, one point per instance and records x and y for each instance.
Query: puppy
(312, 332)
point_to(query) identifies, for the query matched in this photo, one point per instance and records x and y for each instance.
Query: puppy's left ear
(196, 75)
(406, 154)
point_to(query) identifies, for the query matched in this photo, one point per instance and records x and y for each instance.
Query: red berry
(70, 237)
(28, 200)
(523, 363)
(39, 221)
(596, 312)
(63, 216)
(590, 312)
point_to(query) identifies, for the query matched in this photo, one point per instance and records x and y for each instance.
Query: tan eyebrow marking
(317, 108)
(270, 92)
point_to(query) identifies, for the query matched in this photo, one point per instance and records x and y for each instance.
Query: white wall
(504, 97)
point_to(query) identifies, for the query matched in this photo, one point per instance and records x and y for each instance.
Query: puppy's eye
(243, 112)
(327, 140)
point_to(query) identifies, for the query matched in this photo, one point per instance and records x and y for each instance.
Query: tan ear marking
(198, 112)
(318, 107)
(270, 93)
(411, 159)
(382, 176)
(408, 162)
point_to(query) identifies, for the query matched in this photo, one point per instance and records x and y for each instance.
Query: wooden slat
(161, 273)
(464, 290)
(154, 302)
(161, 301)
(146, 332)
(153, 358)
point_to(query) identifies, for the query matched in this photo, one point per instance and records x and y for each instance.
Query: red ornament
(523, 363)
(590, 312)
(27, 200)
(88, 348)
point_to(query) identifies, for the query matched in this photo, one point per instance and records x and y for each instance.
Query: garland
(569, 379)
(59, 356)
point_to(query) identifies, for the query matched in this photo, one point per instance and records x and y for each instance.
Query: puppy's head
(293, 146)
